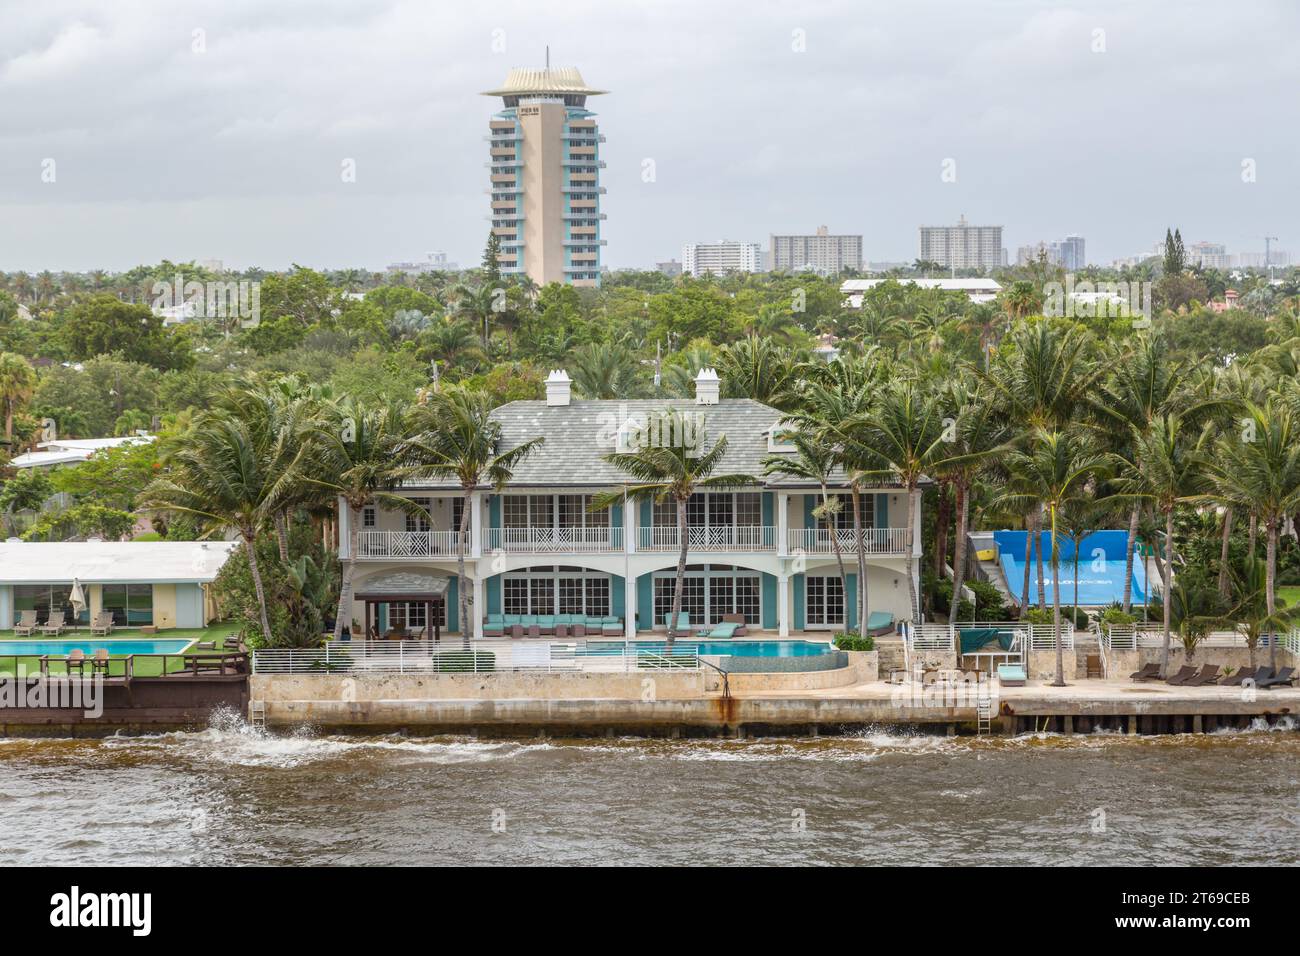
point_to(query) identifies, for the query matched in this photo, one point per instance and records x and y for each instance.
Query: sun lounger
(102, 625)
(683, 623)
(879, 622)
(53, 625)
(1208, 674)
(739, 621)
(1184, 674)
(26, 624)
(1244, 674)
(1147, 672)
(1011, 675)
(1284, 676)
(723, 631)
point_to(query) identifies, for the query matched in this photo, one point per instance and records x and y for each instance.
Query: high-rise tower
(545, 186)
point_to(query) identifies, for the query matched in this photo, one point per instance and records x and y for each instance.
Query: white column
(629, 605)
(345, 534)
(479, 606)
(783, 605)
(630, 507)
(476, 524)
(782, 523)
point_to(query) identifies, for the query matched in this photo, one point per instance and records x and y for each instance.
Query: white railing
(553, 539)
(929, 637)
(822, 540)
(724, 538)
(1096, 631)
(456, 656)
(1292, 641)
(408, 544)
(1042, 637)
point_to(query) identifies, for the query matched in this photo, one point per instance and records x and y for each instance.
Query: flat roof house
(538, 550)
(162, 584)
(71, 451)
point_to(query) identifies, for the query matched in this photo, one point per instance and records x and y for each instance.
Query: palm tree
(457, 438)
(479, 306)
(361, 455)
(1166, 470)
(223, 476)
(1250, 605)
(758, 369)
(814, 460)
(17, 386)
(899, 439)
(604, 370)
(1055, 473)
(1259, 469)
(672, 472)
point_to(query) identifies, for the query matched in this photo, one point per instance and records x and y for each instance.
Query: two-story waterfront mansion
(536, 549)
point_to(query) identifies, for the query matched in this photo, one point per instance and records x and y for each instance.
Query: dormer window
(780, 437)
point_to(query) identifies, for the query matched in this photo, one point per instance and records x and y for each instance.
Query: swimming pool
(1101, 567)
(116, 647)
(721, 648)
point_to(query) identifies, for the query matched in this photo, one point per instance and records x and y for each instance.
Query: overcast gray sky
(235, 152)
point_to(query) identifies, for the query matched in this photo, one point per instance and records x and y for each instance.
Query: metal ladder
(984, 713)
(257, 714)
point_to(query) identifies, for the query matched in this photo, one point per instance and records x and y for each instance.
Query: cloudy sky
(1109, 119)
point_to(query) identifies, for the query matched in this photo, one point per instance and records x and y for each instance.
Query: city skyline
(217, 132)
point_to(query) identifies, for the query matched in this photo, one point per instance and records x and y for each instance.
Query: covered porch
(402, 605)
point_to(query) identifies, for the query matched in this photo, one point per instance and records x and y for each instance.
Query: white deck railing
(455, 656)
(822, 540)
(408, 544)
(725, 538)
(543, 540)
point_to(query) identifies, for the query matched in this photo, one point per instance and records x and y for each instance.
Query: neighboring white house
(162, 584)
(68, 451)
(977, 290)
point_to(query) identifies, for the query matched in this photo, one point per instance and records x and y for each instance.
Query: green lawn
(144, 666)
(1290, 594)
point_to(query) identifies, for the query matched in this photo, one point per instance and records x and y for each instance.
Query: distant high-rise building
(821, 253)
(963, 246)
(545, 182)
(670, 268)
(721, 257)
(1067, 253)
(1207, 255)
(434, 262)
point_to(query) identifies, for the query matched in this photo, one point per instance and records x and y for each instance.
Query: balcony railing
(875, 540)
(723, 538)
(408, 544)
(544, 540)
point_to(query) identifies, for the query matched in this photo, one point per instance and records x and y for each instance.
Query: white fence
(1128, 637)
(723, 538)
(822, 540)
(456, 656)
(542, 540)
(408, 544)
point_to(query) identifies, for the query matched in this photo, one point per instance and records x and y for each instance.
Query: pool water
(116, 647)
(1101, 567)
(723, 648)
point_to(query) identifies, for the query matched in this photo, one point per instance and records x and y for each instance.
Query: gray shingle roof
(580, 434)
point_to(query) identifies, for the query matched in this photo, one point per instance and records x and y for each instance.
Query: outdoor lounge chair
(494, 626)
(1184, 674)
(683, 622)
(879, 622)
(1284, 676)
(722, 631)
(738, 620)
(1011, 675)
(1208, 674)
(76, 660)
(1148, 672)
(102, 625)
(611, 627)
(100, 662)
(26, 624)
(1244, 674)
(53, 625)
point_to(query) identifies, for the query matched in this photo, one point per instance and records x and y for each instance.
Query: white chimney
(558, 387)
(707, 386)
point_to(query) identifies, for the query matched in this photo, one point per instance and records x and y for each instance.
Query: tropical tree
(672, 472)
(17, 386)
(1166, 471)
(224, 476)
(1259, 468)
(457, 438)
(361, 455)
(1055, 473)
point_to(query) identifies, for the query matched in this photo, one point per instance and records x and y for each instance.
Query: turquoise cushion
(495, 619)
(725, 629)
(528, 619)
(546, 620)
(612, 620)
(595, 622)
(879, 619)
(510, 619)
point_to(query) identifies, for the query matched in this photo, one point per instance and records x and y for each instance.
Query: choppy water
(232, 795)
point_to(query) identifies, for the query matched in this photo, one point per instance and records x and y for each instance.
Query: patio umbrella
(77, 598)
